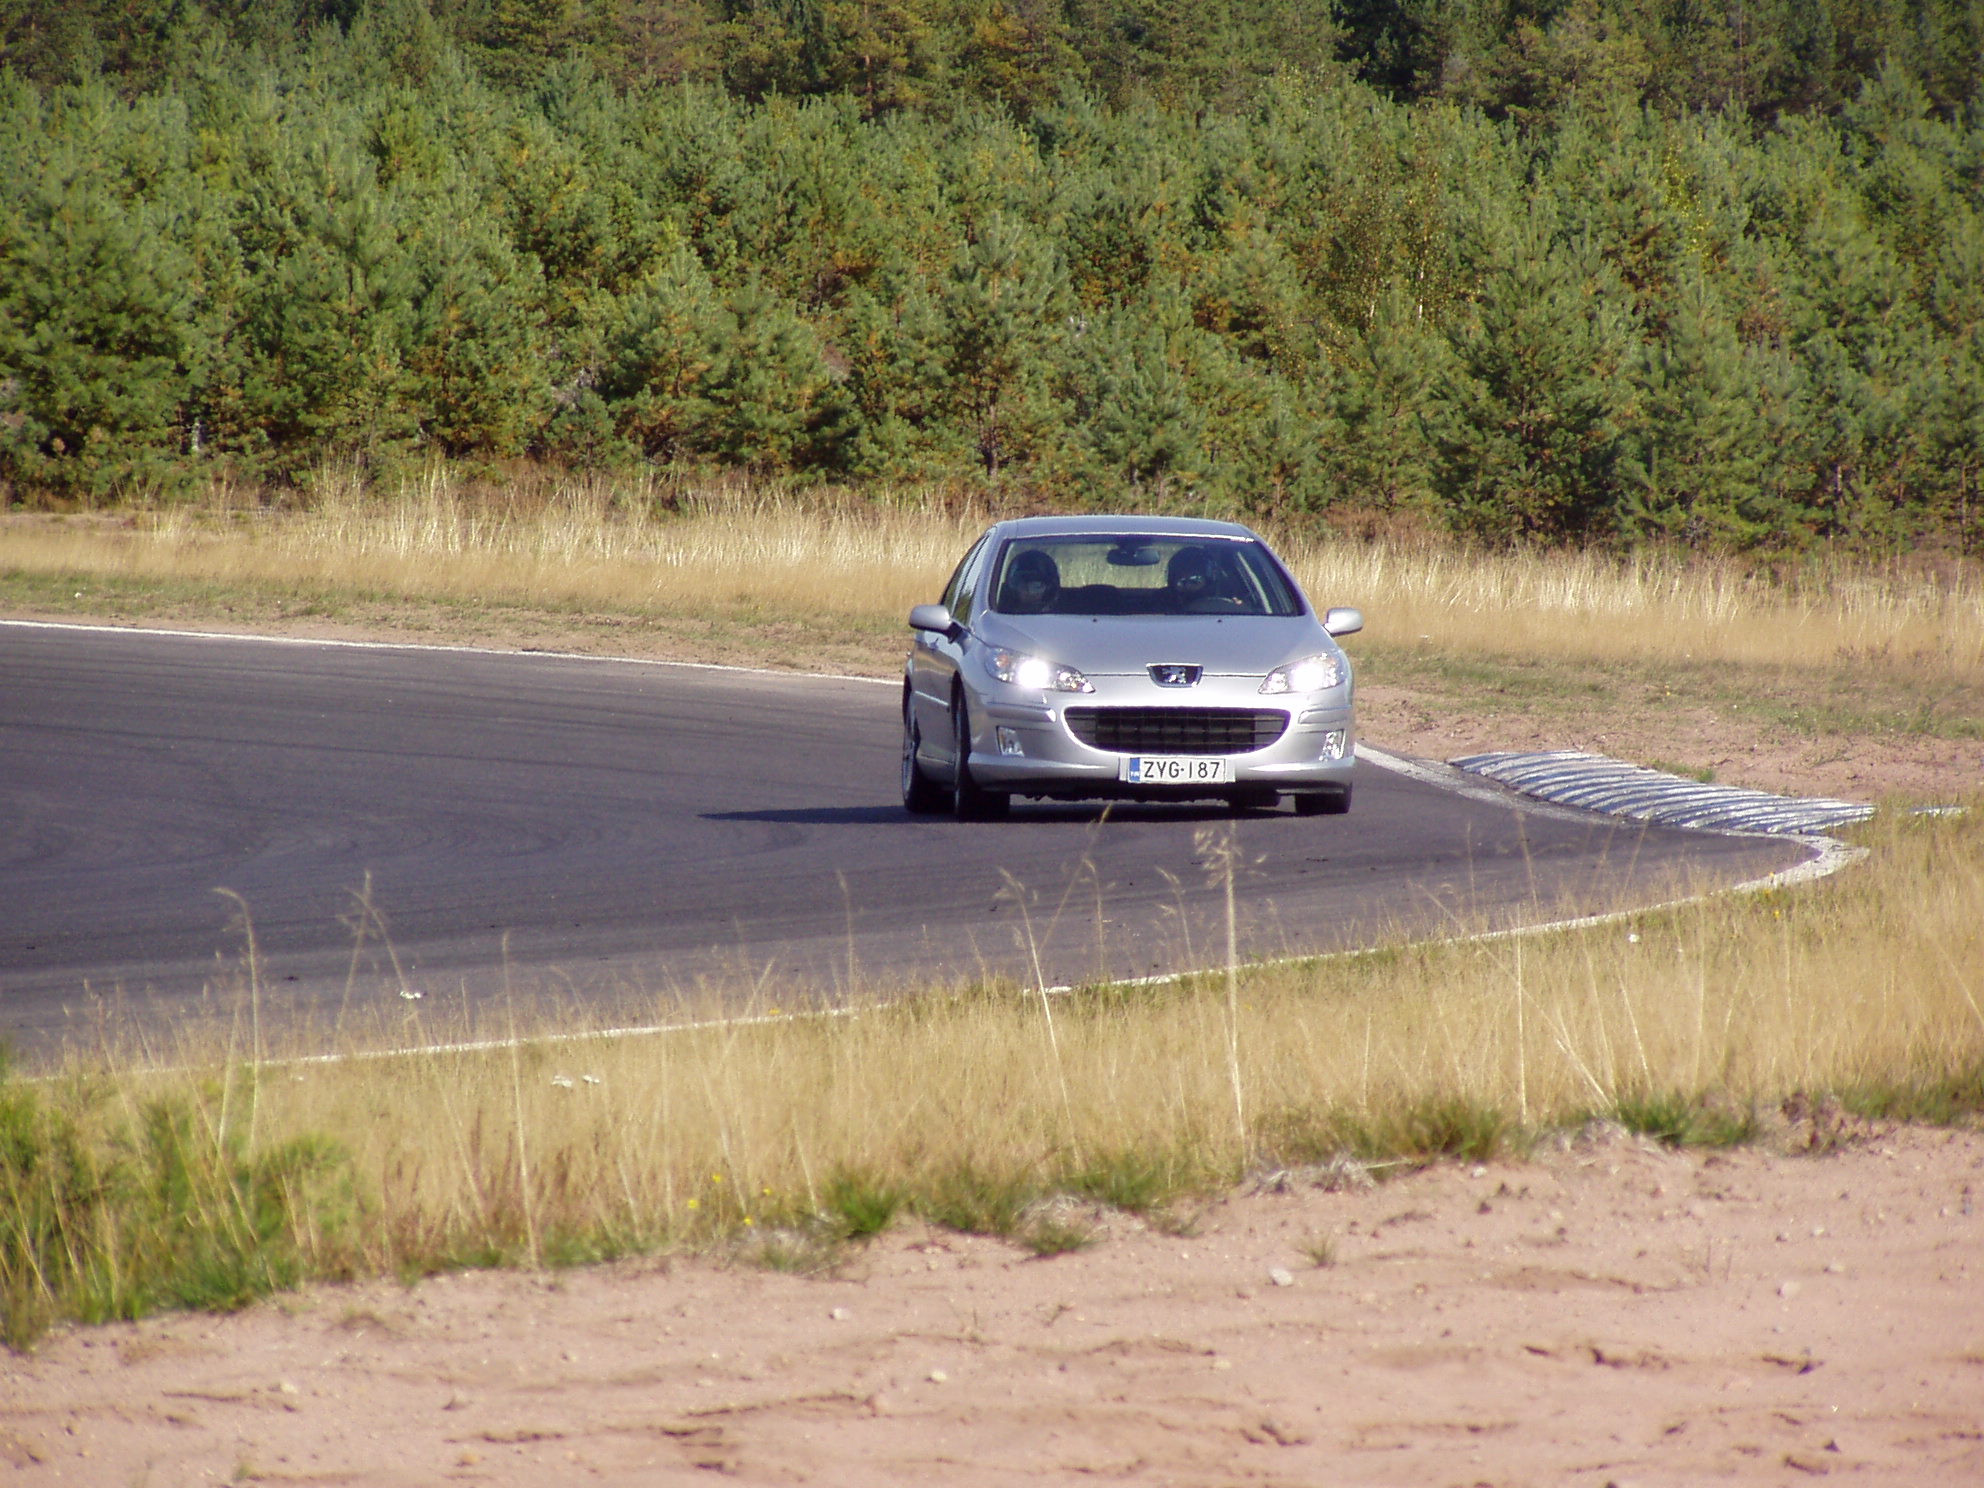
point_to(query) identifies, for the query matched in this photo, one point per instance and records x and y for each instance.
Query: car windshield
(1114, 574)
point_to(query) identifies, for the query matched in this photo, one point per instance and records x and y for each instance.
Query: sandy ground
(1606, 1313)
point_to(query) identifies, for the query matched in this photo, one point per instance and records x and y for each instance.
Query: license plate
(1176, 769)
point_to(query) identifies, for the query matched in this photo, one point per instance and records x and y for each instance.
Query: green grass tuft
(1678, 1120)
(972, 1201)
(862, 1206)
(107, 1213)
(1955, 1099)
(1449, 1126)
(1136, 1182)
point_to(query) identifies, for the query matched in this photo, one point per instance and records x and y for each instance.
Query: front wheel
(969, 800)
(921, 796)
(1323, 803)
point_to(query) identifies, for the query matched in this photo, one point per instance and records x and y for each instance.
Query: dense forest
(1701, 271)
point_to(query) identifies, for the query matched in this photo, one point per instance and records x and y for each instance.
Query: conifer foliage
(1561, 270)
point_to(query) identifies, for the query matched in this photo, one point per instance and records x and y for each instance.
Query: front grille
(1177, 730)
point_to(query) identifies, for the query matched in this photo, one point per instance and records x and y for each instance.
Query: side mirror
(934, 617)
(1343, 620)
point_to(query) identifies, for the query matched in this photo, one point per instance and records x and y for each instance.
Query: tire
(1323, 803)
(1254, 800)
(921, 796)
(969, 801)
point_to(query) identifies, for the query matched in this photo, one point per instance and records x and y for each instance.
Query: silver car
(1154, 658)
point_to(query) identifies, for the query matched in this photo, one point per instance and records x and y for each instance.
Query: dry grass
(643, 548)
(588, 544)
(1591, 606)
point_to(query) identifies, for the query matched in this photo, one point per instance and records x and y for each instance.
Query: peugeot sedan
(1149, 658)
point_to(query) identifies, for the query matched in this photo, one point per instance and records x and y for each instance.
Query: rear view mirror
(1343, 620)
(933, 617)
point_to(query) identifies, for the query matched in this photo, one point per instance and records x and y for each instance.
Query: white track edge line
(354, 645)
(1829, 856)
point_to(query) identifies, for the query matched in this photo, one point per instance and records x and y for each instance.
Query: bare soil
(1852, 766)
(1609, 1312)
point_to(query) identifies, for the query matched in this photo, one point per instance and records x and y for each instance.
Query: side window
(964, 582)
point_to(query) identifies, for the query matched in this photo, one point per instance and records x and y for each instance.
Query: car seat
(1032, 584)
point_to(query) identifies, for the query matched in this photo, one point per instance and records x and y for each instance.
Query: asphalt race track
(619, 834)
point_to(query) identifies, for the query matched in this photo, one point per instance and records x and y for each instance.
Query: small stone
(285, 1387)
(839, 1314)
(1280, 1277)
(937, 1376)
(1833, 1268)
(1480, 1172)
(1788, 1289)
(1222, 1363)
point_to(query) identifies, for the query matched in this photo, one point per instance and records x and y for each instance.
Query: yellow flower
(716, 1177)
(693, 1204)
(747, 1219)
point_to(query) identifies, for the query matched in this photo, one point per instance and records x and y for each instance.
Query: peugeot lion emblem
(1174, 674)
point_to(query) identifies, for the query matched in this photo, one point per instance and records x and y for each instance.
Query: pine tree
(1140, 426)
(329, 306)
(774, 404)
(1382, 403)
(1703, 448)
(894, 343)
(1529, 436)
(1001, 304)
(99, 311)
(476, 373)
(660, 353)
(94, 306)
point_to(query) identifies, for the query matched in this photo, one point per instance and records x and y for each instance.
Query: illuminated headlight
(1034, 673)
(1310, 674)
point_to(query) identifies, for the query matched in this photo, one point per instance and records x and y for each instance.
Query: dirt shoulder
(1848, 765)
(1610, 1312)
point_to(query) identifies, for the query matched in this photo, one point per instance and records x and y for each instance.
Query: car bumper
(1027, 746)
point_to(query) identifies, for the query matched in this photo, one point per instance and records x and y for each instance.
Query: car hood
(1123, 645)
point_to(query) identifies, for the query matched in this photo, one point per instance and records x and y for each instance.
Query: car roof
(1111, 526)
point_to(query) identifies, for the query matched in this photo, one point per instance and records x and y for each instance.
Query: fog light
(1333, 744)
(1009, 740)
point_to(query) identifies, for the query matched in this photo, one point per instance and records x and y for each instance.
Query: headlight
(1310, 674)
(1022, 670)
